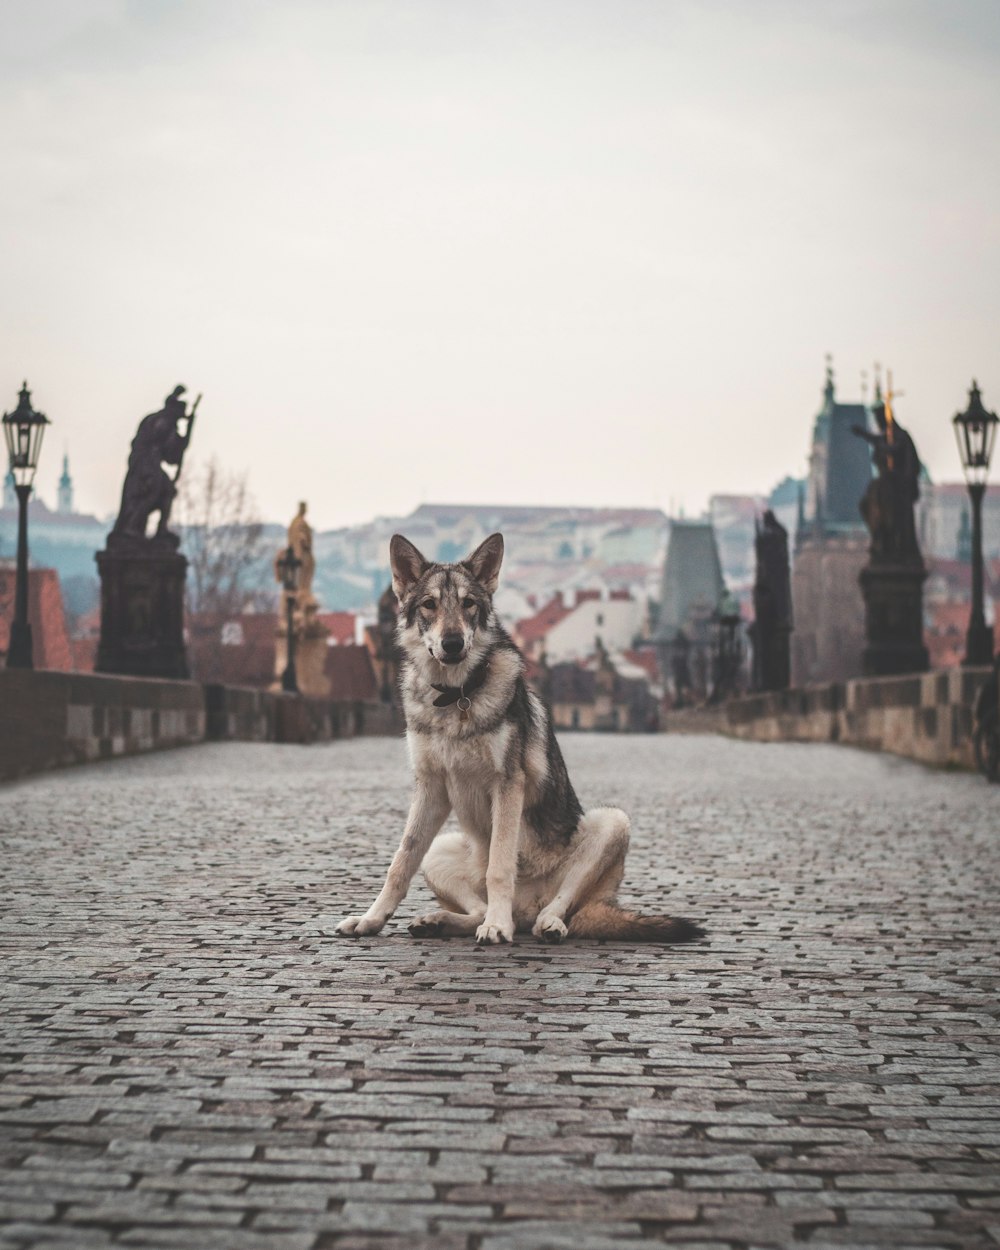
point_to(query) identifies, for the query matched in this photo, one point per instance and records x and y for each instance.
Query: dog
(482, 745)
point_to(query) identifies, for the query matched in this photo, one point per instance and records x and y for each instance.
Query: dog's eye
(468, 603)
(429, 604)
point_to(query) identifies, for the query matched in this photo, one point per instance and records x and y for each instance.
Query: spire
(65, 487)
(828, 388)
(878, 383)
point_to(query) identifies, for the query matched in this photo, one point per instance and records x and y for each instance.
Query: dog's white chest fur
(472, 768)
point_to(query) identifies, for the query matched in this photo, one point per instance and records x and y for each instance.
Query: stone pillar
(311, 643)
(142, 612)
(894, 619)
(829, 638)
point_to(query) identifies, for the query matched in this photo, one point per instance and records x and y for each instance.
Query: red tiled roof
(947, 627)
(340, 624)
(646, 660)
(351, 673)
(533, 628)
(946, 616)
(237, 650)
(957, 574)
(46, 616)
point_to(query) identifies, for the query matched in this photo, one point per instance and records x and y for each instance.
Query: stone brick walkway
(188, 1060)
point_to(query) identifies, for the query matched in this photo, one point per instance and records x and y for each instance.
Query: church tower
(65, 488)
(831, 544)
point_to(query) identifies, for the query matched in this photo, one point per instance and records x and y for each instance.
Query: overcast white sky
(554, 251)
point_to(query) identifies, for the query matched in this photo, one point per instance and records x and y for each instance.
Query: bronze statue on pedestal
(892, 580)
(148, 488)
(142, 577)
(887, 505)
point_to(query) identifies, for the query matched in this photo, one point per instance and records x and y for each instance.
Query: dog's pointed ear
(407, 564)
(485, 561)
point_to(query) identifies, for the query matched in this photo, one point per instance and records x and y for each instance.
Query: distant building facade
(831, 547)
(944, 521)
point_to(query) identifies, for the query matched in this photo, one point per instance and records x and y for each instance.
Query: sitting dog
(482, 745)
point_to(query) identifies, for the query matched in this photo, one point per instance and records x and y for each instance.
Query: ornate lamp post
(975, 431)
(288, 566)
(23, 429)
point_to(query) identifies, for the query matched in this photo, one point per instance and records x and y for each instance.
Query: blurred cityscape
(596, 597)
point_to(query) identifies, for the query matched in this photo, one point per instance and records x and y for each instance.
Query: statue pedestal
(310, 658)
(894, 619)
(142, 610)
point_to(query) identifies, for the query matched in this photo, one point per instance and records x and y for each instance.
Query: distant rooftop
(501, 513)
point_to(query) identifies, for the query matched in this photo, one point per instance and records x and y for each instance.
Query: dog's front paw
(551, 928)
(493, 934)
(358, 926)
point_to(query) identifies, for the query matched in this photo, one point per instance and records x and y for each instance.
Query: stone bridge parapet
(922, 716)
(49, 719)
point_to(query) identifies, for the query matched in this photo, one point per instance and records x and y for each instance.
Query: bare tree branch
(221, 532)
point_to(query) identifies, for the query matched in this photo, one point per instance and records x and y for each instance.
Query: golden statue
(300, 540)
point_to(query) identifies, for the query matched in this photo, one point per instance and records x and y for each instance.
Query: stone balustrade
(923, 716)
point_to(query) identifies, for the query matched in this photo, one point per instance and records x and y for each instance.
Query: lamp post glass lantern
(975, 433)
(23, 431)
(288, 569)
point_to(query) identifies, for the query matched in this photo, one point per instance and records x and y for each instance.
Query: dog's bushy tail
(608, 920)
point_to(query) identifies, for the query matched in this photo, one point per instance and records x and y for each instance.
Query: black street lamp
(23, 429)
(288, 566)
(975, 430)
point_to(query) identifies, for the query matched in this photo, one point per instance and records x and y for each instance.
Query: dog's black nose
(453, 644)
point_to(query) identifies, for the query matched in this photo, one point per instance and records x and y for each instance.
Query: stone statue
(887, 505)
(772, 602)
(300, 539)
(148, 488)
(301, 636)
(142, 579)
(892, 580)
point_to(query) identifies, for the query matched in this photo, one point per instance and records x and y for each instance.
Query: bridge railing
(49, 719)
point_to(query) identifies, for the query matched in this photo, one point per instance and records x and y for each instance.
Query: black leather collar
(452, 694)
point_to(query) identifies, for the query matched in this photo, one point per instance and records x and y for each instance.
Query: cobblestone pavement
(189, 1060)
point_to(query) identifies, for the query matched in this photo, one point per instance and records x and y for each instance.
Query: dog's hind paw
(551, 928)
(431, 925)
(358, 926)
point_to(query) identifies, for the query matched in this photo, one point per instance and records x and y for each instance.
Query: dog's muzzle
(453, 648)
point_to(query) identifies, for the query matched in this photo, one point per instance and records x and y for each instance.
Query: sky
(586, 252)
